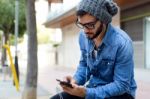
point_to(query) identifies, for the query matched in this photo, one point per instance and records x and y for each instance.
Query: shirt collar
(107, 38)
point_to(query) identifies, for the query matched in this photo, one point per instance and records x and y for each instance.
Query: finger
(67, 90)
(65, 87)
(74, 85)
(68, 78)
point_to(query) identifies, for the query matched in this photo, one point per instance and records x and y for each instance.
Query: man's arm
(82, 73)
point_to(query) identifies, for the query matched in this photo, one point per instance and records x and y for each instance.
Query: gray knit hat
(103, 10)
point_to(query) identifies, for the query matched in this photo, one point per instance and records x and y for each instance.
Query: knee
(55, 97)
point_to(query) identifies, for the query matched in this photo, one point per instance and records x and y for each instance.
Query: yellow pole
(12, 67)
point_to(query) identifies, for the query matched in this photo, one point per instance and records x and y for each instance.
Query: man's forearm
(112, 89)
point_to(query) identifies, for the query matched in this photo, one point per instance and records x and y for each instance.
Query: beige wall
(69, 53)
(116, 19)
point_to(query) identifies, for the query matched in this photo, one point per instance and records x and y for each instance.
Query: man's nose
(86, 30)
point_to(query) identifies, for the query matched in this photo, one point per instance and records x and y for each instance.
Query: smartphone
(64, 83)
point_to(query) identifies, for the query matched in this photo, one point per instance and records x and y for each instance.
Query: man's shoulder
(121, 41)
(119, 36)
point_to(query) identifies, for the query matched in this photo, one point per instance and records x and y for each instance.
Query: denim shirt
(111, 72)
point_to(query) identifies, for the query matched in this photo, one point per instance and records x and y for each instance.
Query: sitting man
(106, 67)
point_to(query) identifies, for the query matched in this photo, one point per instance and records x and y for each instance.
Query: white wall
(138, 54)
(68, 52)
(147, 42)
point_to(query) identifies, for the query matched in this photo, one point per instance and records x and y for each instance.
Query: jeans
(64, 95)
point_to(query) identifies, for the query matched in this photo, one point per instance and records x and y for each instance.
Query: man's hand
(69, 79)
(76, 90)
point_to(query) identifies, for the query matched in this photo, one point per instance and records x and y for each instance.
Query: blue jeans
(68, 96)
(65, 96)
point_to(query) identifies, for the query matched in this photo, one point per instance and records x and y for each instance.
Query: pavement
(47, 85)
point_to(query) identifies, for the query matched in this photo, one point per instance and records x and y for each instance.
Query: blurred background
(57, 42)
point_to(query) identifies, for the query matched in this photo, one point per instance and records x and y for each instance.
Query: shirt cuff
(89, 94)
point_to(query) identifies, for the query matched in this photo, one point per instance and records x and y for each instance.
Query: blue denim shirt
(111, 73)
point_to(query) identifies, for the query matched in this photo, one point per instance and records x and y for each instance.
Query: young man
(106, 68)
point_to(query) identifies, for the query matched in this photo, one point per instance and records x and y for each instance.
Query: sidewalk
(8, 90)
(143, 83)
(48, 86)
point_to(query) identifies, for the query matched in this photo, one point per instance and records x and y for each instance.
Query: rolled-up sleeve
(82, 75)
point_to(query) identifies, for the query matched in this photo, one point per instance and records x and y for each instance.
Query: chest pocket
(106, 69)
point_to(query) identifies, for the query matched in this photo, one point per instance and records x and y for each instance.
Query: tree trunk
(4, 41)
(30, 90)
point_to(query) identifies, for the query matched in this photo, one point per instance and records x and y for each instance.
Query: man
(106, 65)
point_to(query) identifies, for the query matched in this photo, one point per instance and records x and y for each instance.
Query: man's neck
(100, 37)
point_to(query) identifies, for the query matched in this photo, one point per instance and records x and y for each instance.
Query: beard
(92, 36)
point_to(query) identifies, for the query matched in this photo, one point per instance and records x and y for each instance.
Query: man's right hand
(76, 90)
(69, 79)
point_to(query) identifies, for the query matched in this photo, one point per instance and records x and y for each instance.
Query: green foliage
(7, 16)
(12, 40)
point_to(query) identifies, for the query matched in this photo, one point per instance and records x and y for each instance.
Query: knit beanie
(103, 10)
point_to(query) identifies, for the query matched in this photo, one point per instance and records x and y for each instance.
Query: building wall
(68, 52)
(133, 24)
(147, 41)
(138, 54)
(116, 19)
(134, 28)
(136, 12)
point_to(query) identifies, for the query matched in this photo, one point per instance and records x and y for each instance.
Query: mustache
(88, 33)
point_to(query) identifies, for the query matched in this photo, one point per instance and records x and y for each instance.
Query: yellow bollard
(12, 67)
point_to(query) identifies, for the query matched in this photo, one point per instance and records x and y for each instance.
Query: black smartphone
(64, 83)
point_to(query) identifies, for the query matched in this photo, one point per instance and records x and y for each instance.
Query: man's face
(89, 24)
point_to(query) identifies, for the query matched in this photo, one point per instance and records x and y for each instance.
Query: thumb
(74, 85)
